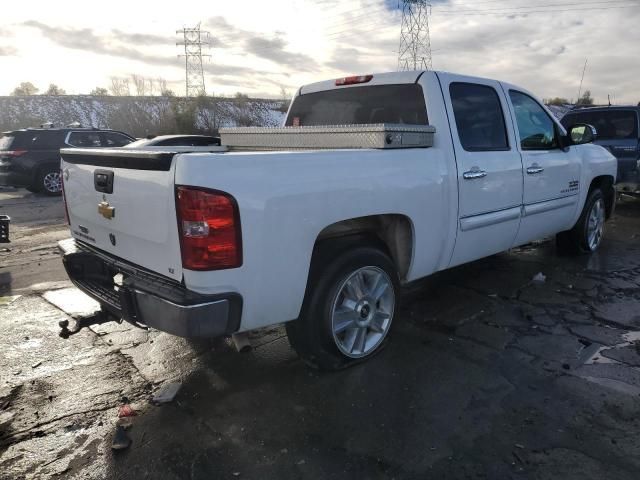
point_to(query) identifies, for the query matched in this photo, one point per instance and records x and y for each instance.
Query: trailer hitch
(96, 318)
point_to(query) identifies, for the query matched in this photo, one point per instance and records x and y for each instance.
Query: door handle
(535, 168)
(474, 173)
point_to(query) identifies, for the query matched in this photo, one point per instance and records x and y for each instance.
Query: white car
(284, 228)
(177, 143)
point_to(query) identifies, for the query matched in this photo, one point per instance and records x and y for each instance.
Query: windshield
(611, 124)
(360, 105)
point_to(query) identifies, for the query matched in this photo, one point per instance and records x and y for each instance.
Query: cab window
(479, 117)
(536, 128)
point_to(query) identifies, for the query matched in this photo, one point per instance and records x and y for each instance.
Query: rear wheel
(49, 182)
(348, 310)
(587, 234)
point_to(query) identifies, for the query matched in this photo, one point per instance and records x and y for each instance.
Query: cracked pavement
(487, 375)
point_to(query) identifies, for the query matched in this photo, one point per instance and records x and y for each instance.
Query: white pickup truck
(306, 225)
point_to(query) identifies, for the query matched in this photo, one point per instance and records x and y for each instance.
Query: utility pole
(415, 45)
(193, 40)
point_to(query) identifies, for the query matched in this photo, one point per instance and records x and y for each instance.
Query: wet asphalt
(487, 375)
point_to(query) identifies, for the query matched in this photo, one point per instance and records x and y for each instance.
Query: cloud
(87, 40)
(274, 50)
(545, 52)
(258, 44)
(143, 38)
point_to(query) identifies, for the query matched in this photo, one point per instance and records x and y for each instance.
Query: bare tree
(140, 84)
(24, 89)
(151, 86)
(54, 90)
(119, 87)
(285, 99)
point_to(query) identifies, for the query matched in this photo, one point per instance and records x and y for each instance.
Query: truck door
(489, 167)
(551, 173)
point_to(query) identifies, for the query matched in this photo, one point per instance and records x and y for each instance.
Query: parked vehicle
(30, 157)
(187, 143)
(619, 131)
(208, 244)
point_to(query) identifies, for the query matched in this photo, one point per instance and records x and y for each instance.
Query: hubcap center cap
(366, 311)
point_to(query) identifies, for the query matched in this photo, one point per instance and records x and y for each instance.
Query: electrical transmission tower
(193, 40)
(415, 44)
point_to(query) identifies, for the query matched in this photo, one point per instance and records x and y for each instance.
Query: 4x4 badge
(106, 210)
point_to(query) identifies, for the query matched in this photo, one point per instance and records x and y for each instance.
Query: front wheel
(587, 234)
(348, 310)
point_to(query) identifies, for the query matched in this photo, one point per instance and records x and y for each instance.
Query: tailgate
(123, 203)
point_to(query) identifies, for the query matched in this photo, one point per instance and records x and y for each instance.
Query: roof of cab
(388, 78)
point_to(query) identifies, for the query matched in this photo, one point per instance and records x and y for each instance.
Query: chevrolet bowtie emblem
(106, 210)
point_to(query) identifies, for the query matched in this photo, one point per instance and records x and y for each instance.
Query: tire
(348, 308)
(586, 236)
(49, 182)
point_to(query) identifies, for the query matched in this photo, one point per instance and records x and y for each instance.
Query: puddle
(631, 337)
(8, 299)
(596, 357)
(72, 301)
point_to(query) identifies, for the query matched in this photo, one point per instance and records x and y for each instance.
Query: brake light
(209, 228)
(64, 199)
(353, 80)
(13, 153)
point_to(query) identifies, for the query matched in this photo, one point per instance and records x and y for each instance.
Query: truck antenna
(581, 79)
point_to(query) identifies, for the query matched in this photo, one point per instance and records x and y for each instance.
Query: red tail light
(12, 153)
(209, 227)
(353, 80)
(64, 200)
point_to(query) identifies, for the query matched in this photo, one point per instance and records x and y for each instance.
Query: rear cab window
(479, 117)
(610, 124)
(399, 104)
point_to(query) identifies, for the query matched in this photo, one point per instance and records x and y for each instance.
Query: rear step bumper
(146, 299)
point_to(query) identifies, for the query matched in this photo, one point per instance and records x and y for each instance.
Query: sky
(266, 49)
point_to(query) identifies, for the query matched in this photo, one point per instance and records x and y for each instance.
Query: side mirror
(582, 133)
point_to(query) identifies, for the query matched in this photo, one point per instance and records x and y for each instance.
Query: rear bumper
(146, 299)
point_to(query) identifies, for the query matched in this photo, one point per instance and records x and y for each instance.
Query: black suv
(30, 157)
(619, 131)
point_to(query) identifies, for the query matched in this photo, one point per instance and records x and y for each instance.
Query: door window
(84, 139)
(479, 117)
(537, 129)
(112, 139)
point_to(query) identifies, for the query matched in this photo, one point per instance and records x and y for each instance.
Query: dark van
(618, 131)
